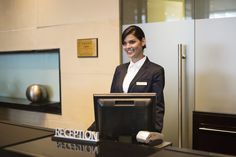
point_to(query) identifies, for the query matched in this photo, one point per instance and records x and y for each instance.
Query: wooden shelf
(24, 104)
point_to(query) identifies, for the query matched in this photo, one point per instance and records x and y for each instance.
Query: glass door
(167, 25)
(215, 56)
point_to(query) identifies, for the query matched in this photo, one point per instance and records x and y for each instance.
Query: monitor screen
(124, 114)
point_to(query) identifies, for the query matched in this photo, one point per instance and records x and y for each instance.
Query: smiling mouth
(130, 50)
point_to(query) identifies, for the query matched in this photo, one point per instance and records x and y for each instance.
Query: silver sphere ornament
(36, 93)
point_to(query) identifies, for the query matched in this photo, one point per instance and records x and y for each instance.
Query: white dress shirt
(131, 72)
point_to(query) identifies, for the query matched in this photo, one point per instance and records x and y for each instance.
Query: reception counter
(12, 134)
(22, 140)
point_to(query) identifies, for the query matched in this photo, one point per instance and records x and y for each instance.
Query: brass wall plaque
(87, 47)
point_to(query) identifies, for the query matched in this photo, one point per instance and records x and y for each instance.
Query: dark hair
(136, 31)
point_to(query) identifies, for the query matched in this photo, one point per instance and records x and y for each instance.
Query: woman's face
(133, 47)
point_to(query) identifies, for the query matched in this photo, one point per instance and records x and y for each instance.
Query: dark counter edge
(24, 104)
(49, 130)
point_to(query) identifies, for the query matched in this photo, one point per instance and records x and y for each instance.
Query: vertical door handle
(181, 57)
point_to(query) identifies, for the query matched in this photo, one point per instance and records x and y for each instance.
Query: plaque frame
(87, 47)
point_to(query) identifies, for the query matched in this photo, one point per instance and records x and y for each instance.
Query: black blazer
(151, 79)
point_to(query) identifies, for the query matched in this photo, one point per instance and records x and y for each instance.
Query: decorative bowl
(36, 93)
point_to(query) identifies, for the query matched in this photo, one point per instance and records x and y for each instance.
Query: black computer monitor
(124, 114)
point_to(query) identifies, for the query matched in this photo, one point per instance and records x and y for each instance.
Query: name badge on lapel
(141, 83)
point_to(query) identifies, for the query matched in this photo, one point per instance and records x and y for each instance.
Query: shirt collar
(137, 64)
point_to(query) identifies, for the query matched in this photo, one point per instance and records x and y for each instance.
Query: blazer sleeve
(158, 87)
(114, 82)
(117, 81)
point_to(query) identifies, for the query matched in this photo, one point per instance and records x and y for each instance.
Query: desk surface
(48, 147)
(24, 141)
(11, 134)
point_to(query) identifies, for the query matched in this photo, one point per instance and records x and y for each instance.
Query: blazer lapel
(139, 74)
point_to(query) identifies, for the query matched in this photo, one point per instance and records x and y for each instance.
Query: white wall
(43, 24)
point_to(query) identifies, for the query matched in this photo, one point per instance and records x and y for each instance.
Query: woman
(139, 75)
